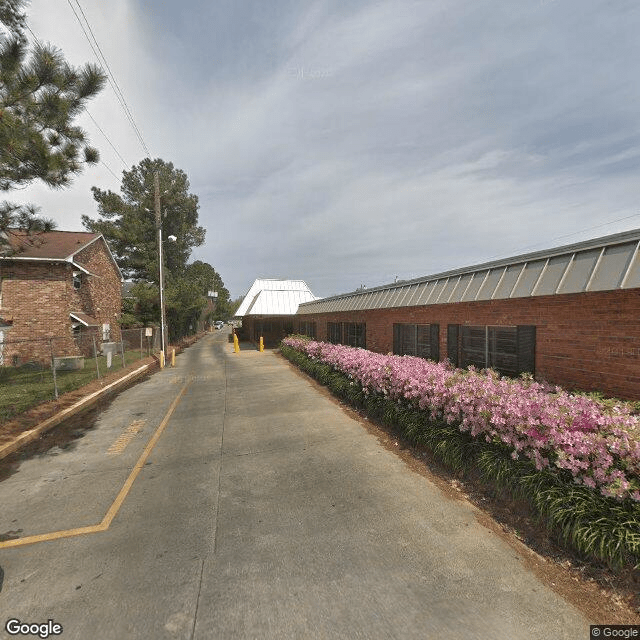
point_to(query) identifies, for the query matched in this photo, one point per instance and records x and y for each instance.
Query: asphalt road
(226, 498)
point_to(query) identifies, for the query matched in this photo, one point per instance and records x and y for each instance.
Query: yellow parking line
(117, 503)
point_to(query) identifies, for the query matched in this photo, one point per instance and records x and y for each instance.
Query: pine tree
(128, 221)
(40, 96)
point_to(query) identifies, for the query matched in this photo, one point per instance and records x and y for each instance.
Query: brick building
(569, 315)
(61, 284)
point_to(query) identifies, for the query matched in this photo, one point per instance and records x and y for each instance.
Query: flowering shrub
(547, 425)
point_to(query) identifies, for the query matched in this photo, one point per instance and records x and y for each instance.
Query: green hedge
(592, 525)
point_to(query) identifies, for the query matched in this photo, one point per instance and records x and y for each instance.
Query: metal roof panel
(461, 287)
(579, 272)
(554, 269)
(612, 266)
(527, 279)
(508, 281)
(474, 286)
(632, 277)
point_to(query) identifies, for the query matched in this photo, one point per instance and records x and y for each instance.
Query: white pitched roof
(274, 297)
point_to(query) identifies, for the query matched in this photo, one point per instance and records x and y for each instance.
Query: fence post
(95, 355)
(53, 368)
(141, 356)
(122, 348)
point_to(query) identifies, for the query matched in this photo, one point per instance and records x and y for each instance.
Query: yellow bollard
(161, 359)
(261, 344)
(236, 345)
(173, 357)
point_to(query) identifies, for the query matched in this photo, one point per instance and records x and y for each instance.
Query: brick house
(61, 284)
(569, 315)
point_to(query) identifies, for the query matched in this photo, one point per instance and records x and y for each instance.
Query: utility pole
(163, 333)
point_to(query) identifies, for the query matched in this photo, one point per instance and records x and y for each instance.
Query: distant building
(569, 315)
(269, 307)
(60, 284)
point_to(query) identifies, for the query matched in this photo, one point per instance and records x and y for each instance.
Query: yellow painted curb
(82, 405)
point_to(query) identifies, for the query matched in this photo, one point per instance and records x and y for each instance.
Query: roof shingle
(51, 245)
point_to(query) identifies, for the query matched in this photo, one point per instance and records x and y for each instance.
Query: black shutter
(434, 341)
(396, 338)
(526, 339)
(423, 340)
(452, 343)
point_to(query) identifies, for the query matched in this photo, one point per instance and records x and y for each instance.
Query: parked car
(218, 324)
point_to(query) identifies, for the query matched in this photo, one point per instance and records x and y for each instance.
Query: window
(473, 347)
(422, 340)
(307, 329)
(495, 347)
(77, 279)
(510, 350)
(355, 334)
(334, 332)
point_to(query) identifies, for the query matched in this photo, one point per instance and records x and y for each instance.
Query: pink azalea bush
(547, 425)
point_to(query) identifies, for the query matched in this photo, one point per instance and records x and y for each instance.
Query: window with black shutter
(453, 350)
(397, 339)
(420, 340)
(526, 348)
(354, 334)
(334, 332)
(510, 350)
(434, 341)
(502, 350)
(473, 347)
(307, 329)
(423, 341)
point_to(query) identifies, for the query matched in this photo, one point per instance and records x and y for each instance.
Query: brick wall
(588, 341)
(38, 296)
(100, 295)
(35, 297)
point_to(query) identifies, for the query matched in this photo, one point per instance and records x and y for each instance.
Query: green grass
(22, 388)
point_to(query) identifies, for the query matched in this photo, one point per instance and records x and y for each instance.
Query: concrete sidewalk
(323, 533)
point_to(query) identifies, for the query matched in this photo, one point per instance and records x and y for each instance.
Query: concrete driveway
(245, 504)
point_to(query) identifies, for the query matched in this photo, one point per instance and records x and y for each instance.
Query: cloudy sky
(350, 142)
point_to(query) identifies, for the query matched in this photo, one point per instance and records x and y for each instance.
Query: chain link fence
(38, 370)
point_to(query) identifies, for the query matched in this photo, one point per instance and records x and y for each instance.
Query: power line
(109, 169)
(567, 235)
(108, 73)
(113, 78)
(106, 137)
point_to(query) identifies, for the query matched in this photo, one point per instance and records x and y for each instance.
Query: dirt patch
(604, 596)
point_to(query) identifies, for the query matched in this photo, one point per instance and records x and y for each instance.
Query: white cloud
(347, 143)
